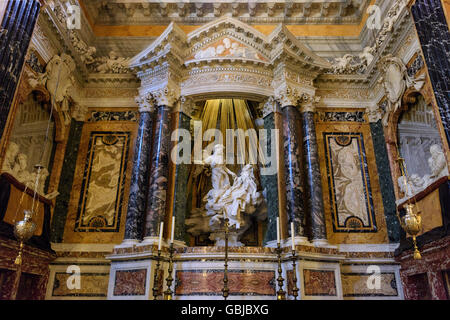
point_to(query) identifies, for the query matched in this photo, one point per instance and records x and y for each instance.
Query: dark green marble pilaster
(386, 183)
(270, 186)
(180, 189)
(66, 181)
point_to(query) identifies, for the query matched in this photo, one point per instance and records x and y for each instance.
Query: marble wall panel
(359, 139)
(102, 174)
(209, 282)
(35, 263)
(355, 285)
(130, 282)
(319, 283)
(92, 285)
(103, 182)
(348, 183)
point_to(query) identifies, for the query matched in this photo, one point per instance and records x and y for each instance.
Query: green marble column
(270, 182)
(180, 196)
(386, 184)
(66, 181)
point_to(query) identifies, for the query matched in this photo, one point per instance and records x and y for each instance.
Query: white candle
(160, 235)
(278, 230)
(173, 229)
(292, 235)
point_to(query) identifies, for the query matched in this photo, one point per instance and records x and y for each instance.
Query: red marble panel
(319, 283)
(210, 282)
(35, 264)
(423, 279)
(130, 282)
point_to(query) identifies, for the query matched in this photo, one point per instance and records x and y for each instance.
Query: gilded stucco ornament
(373, 113)
(186, 105)
(395, 80)
(146, 103)
(350, 64)
(308, 102)
(59, 81)
(166, 96)
(287, 96)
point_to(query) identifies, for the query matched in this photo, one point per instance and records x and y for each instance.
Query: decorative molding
(259, 12)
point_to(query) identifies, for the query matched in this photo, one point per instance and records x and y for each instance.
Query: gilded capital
(146, 103)
(186, 105)
(308, 103)
(287, 96)
(268, 106)
(165, 97)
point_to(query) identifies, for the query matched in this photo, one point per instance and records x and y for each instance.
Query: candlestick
(168, 293)
(295, 290)
(281, 294)
(225, 290)
(173, 230)
(292, 236)
(278, 230)
(160, 235)
(155, 276)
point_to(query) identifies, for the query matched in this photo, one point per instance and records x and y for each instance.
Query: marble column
(269, 183)
(294, 172)
(182, 118)
(66, 181)
(434, 37)
(314, 194)
(16, 31)
(159, 173)
(384, 173)
(134, 226)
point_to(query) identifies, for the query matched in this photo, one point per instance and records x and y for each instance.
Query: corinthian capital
(146, 103)
(186, 105)
(268, 106)
(308, 102)
(287, 96)
(166, 96)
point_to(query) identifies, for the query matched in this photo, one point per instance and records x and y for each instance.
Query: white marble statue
(10, 158)
(236, 201)
(415, 184)
(16, 164)
(437, 163)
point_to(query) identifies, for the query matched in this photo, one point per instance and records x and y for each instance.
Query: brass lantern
(23, 231)
(411, 222)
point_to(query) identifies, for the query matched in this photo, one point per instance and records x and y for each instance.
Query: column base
(288, 242)
(152, 240)
(320, 243)
(127, 243)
